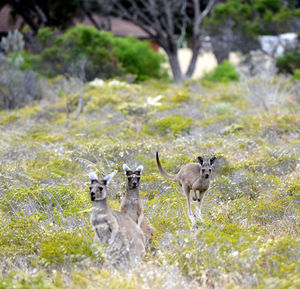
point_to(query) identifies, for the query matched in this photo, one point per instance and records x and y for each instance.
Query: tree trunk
(193, 62)
(175, 66)
(91, 18)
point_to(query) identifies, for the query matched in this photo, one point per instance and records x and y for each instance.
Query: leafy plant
(138, 58)
(225, 72)
(17, 88)
(174, 124)
(289, 63)
(14, 42)
(105, 55)
(65, 247)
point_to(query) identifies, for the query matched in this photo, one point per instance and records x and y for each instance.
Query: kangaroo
(114, 228)
(192, 176)
(132, 204)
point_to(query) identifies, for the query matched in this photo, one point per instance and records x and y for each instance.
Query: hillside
(250, 236)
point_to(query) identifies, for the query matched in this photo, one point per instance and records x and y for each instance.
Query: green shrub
(46, 36)
(225, 72)
(17, 88)
(82, 45)
(21, 280)
(103, 55)
(60, 247)
(296, 75)
(20, 235)
(174, 124)
(289, 62)
(138, 58)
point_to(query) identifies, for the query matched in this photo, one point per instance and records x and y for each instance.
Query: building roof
(118, 26)
(6, 23)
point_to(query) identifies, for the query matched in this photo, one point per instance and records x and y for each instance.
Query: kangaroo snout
(92, 196)
(207, 176)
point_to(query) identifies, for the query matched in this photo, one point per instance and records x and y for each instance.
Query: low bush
(225, 72)
(296, 75)
(60, 247)
(170, 124)
(88, 53)
(289, 62)
(138, 58)
(80, 51)
(17, 88)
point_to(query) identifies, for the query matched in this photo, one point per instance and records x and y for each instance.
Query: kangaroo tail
(162, 171)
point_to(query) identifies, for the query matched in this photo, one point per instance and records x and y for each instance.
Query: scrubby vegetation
(224, 72)
(250, 235)
(17, 88)
(289, 63)
(104, 55)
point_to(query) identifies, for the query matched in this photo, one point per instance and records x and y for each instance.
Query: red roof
(6, 23)
(119, 27)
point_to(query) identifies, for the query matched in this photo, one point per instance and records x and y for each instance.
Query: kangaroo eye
(203, 171)
(101, 189)
(90, 188)
(210, 170)
(129, 179)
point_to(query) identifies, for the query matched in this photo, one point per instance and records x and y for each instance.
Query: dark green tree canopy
(51, 13)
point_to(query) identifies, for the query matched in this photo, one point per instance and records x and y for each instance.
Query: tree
(235, 24)
(51, 13)
(167, 22)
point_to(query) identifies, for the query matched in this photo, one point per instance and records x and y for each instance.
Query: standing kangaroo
(116, 229)
(192, 176)
(132, 204)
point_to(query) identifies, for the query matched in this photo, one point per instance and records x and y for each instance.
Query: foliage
(250, 234)
(225, 72)
(17, 88)
(235, 25)
(173, 124)
(61, 247)
(255, 16)
(46, 36)
(138, 58)
(296, 75)
(13, 42)
(289, 62)
(105, 55)
(56, 13)
(80, 44)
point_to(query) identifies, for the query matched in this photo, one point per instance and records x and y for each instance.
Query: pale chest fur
(201, 184)
(102, 225)
(132, 207)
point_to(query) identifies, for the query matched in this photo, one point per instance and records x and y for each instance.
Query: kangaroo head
(98, 188)
(133, 177)
(206, 167)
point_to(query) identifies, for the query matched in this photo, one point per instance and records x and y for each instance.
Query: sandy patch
(206, 61)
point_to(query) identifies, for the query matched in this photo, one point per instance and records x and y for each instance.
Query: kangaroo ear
(126, 168)
(93, 177)
(212, 160)
(140, 168)
(200, 160)
(106, 179)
